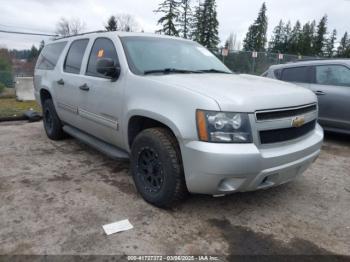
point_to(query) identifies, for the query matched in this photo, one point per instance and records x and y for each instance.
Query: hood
(242, 93)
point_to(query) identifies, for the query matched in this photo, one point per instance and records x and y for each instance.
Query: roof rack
(86, 33)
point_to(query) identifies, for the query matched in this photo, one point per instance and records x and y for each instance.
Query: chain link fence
(256, 63)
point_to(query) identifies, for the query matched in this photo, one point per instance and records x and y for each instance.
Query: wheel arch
(44, 95)
(139, 121)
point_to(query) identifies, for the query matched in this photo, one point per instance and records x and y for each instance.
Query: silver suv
(330, 81)
(187, 123)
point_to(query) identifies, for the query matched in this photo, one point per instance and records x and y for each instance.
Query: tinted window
(75, 56)
(102, 48)
(49, 56)
(277, 73)
(333, 75)
(296, 74)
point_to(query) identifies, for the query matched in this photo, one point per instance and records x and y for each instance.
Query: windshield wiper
(170, 71)
(213, 71)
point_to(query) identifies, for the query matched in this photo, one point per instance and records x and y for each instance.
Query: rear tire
(156, 167)
(52, 123)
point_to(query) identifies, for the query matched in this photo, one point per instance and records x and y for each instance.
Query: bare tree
(70, 27)
(128, 23)
(232, 43)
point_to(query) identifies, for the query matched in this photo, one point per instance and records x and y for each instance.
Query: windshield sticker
(100, 53)
(204, 51)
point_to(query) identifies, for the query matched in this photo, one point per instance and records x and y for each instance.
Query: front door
(100, 104)
(332, 86)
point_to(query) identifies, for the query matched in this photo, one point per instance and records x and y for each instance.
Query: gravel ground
(55, 197)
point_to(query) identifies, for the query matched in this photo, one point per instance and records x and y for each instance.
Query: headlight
(223, 127)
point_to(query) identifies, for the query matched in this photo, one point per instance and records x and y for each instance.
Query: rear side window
(49, 56)
(102, 48)
(75, 56)
(296, 74)
(278, 73)
(333, 75)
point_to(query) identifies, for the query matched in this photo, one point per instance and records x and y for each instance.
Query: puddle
(243, 241)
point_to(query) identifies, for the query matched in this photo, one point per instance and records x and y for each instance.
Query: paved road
(55, 197)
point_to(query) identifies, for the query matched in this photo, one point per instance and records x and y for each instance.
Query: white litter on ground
(117, 227)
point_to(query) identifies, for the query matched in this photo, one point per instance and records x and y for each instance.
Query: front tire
(156, 167)
(52, 123)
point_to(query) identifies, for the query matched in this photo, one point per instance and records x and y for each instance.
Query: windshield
(161, 55)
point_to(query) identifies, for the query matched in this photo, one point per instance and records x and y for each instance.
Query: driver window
(102, 48)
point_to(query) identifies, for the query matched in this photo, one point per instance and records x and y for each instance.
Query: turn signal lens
(202, 126)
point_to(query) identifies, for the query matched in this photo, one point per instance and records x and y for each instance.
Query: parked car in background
(329, 80)
(185, 120)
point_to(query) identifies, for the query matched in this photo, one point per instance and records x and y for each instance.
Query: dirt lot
(55, 197)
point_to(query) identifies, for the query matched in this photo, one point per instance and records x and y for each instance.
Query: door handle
(60, 82)
(84, 87)
(320, 93)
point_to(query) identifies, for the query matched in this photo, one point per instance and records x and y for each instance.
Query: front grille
(285, 134)
(278, 114)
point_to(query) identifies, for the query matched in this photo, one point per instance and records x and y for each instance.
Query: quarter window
(333, 75)
(296, 74)
(102, 48)
(75, 56)
(49, 56)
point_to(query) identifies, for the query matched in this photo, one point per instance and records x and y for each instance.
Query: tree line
(197, 22)
(309, 39)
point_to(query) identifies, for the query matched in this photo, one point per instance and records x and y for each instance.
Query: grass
(10, 107)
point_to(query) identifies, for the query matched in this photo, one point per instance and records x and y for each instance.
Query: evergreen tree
(170, 9)
(344, 46)
(42, 45)
(197, 24)
(211, 36)
(307, 38)
(185, 19)
(330, 44)
(112, 24)
(287, 37)
(295, 39)
(276, 44)
(320, 38)
(206, 25)
(34, 53)
(256, 37)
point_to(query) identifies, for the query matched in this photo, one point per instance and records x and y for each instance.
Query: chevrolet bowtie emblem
(298, 121)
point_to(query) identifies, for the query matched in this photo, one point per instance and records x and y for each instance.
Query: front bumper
(219, 169)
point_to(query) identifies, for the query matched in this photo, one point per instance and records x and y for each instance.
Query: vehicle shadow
(340, 139)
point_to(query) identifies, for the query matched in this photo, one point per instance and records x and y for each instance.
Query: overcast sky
(234, 15)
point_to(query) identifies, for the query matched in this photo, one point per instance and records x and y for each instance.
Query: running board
(107, 149)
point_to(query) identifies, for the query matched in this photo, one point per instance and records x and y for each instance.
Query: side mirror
(106, 67)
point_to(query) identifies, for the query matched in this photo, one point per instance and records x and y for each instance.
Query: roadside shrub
(2, 87)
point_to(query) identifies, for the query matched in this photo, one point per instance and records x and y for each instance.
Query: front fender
(155, 116)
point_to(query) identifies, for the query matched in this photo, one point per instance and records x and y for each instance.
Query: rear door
(68, 93)
(332, 86)
(46, 71)
(100, 105)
